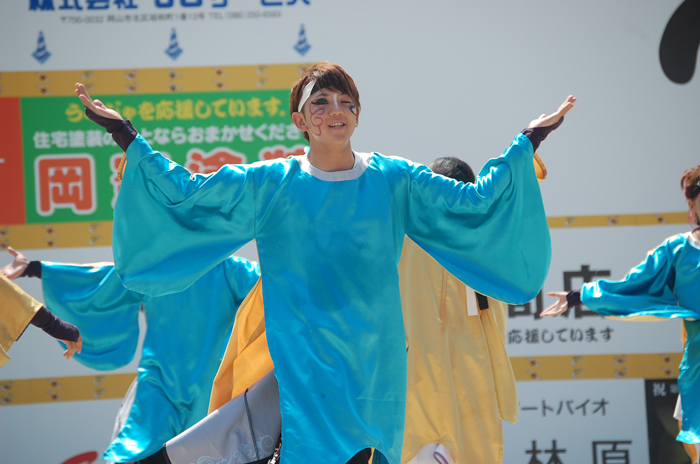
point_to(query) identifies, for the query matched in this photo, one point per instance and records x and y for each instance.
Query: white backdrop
(436, 78)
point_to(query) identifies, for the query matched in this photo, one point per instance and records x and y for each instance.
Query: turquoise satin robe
(180, 354)
(665, 285)
(329, 246)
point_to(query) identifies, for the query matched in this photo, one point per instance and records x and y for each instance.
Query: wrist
(33, 269)
(573, 298)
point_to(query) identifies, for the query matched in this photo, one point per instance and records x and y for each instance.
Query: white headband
(306, 93)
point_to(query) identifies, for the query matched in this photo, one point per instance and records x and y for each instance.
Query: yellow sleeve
(16, 311)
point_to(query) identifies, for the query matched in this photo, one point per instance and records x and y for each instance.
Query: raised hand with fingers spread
(96, 106)
(549, 120)
(559, 307)
(16, 267)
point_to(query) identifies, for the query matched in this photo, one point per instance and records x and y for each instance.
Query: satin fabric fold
(17, 309)
(665, 285)
(247, 357)
(180, 355)
(330, 253)
(460, 382)
(94, 299)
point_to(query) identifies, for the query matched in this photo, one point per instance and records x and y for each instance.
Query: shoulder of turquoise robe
(171, 227)
(94, 300)
(493, 234)
(646, 291)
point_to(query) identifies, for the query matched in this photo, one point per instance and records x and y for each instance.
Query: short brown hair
(326, 75)
(690, 178)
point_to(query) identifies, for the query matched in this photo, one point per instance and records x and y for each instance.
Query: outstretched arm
(171, 227)
(646, 291)
(451, 220)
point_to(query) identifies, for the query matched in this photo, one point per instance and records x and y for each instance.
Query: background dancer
(184, 340)
(460, 382)
(665, 285)
(332, 305)
(18, 309)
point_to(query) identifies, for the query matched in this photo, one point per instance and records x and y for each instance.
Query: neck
(331, 158)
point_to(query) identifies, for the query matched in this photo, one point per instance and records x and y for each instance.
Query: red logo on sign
(206, 163)
(65, 181)
(85, 458)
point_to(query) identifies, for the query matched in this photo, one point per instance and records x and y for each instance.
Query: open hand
(544, 120)
(17, 267)
(95, 105)
(73, 347)
(557, 308)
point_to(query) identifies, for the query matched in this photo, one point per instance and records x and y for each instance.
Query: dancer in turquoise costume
(329, 227)
(181, 351)
(665, 285)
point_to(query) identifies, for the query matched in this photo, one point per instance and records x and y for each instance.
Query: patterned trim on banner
(589, 367)
(597, 366)
(59, 389)
(616, 220)
(150, 81)
(88, 234)
(60, 235)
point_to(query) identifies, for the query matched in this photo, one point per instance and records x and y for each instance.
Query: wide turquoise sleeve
(171, 227)
(492, 234)
(94, 300)
(647, 290)
(689, 384)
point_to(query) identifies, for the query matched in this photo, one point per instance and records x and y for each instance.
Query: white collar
(692, 240)
(361, 163)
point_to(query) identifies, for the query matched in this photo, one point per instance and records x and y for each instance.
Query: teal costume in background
(329, 246)
(665, 285)
(180, 355)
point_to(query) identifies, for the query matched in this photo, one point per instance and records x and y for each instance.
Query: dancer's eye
(320, 101)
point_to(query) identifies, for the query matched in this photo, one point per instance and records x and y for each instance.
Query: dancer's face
(694, 206)
(329, 115)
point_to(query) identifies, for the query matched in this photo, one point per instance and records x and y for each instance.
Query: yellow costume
(16, 311)
(247, 358)
(460, 381)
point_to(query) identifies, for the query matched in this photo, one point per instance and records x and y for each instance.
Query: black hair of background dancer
(453, 168)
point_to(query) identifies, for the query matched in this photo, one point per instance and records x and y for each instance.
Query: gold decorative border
(59, 235)
(150, 80)
(589, 367)
(99, 233)
(598, 366)
(60, 389)
(617, 220)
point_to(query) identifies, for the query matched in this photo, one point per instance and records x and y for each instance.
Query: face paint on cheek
(353, 110)
(317, 120)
